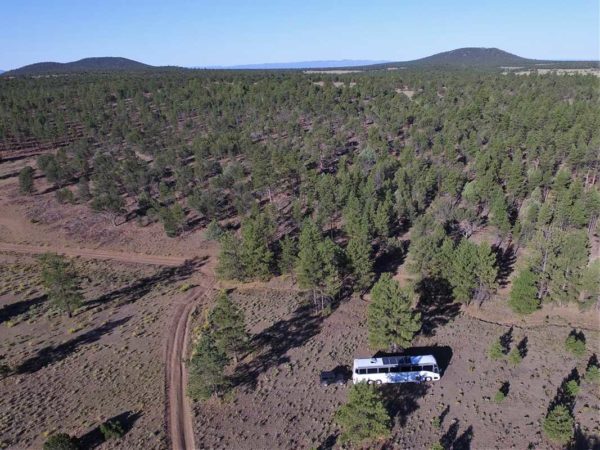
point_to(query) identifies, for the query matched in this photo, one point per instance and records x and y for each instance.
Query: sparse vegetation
(61, 441)
(112, 429)
(26, 180)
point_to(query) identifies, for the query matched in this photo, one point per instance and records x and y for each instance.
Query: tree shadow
(52, 354)
(593, 362)
(506, 340)
(17, 308)
(563, 396)
(328, 443)
(505, 388)
(505, 261)
(452, 441)
(274, 342)
(401, 399)
(436, 304)
(522, 347)
(579, 335)
(143, 286)
(94, 438)
(582, 441)
(443, 415)
(390, 258)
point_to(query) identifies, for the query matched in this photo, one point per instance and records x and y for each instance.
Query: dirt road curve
(178, 410)
(139, 258)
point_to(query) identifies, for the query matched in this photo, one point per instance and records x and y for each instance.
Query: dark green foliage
(363, 418)
(359, 253)
(523, 295)
(206, 369)
(65, 195)
(213, 231)
(288, 255)
(173, 219)
(230, 263)
(257, 257)
(472, 272)
(226, 323)
(61, 282)
(558, 425)
(112, 429)
(317, 263)
(61, 441)
(392, 321)
(26, 180)
(575, 344)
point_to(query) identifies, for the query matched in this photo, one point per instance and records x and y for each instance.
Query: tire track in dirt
(178, 413)
(139, 258)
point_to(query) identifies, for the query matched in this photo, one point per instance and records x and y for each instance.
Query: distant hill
(102, 64)
(2, 71)
(305, 64)
(482, 58)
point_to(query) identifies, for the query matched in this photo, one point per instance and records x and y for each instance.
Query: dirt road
(139, 258)
(178, 411)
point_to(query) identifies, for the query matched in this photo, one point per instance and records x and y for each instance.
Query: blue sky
(228, 32)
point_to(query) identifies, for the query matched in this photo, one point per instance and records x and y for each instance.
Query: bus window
(405, 369)
(384, 370)
(361, 371)
(415, 368)
(428, 368)
(394, 369)
(372, 370)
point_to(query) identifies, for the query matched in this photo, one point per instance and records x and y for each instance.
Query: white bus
(395, 369)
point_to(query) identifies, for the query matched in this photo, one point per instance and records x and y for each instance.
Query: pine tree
(558, 425)
(227, 325)
(230, 265)
(523, 298)
(364, 417)
(359, 252)
(288, 255)
(61, 282)
(26, 180)
(391, 320)
(257, 258)
(206, 369)
(317, 264)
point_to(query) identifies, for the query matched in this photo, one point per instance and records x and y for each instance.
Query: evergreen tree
(227, 326)
(317, 265)
(392, 321)
(558, 425)
(288, 256)
(257, 258)
(230, 265)
(206, 369)
(26, 180)
(359, 252)
(61, 441)
(61, 282)
(523, 294)
(364, 417)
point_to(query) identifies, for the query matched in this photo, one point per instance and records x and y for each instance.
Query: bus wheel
(369, 382)
(428, 379)
(378, 382)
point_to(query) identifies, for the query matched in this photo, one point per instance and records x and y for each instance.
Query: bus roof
(394, 360)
